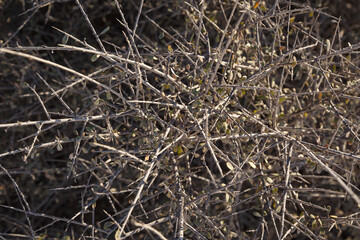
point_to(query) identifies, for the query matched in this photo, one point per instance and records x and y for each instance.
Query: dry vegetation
(181, 119)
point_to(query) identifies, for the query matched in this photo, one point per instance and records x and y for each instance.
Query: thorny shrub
(179, 119)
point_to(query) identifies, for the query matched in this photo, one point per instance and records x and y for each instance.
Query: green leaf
(65, 39)
(117, 235)
(95, 57)
(278, 209)
(108, 96)
(161, 35)
(108, 225)
(97, 101)
(59, 147)
(261, 97)
(170, 48)
(263, 7)
(314, 224)
(178, 150)
(105, 30)
(256, 214)
(282, 99)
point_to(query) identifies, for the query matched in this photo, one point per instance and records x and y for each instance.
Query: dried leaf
(252, 164)
(229, 166)
(227, 197)
(328, 45)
